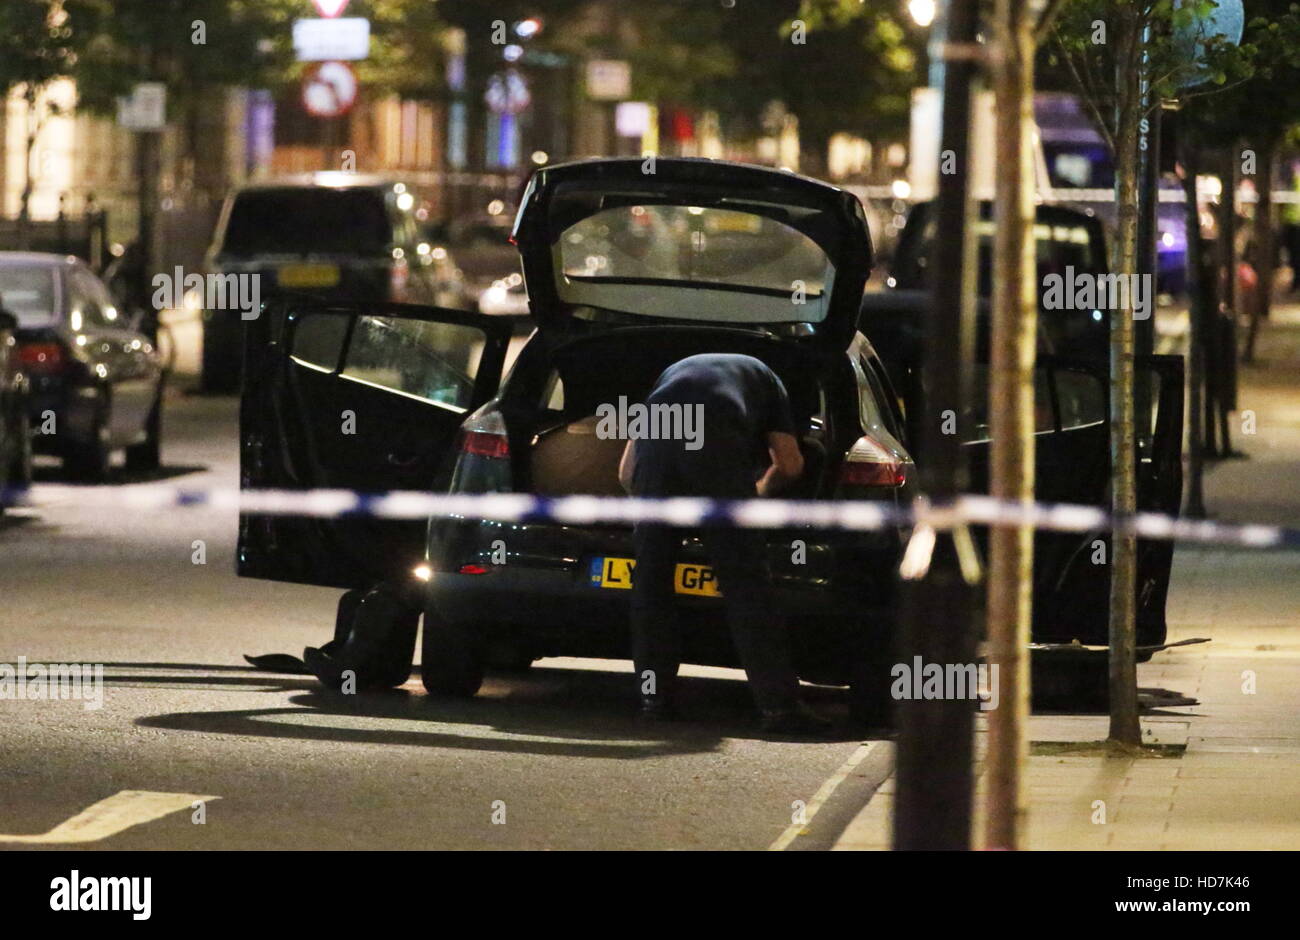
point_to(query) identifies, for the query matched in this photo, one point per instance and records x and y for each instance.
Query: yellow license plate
(699, 580)
(309, 275)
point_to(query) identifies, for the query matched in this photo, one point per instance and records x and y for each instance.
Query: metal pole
(933, 804)
(1144, 331)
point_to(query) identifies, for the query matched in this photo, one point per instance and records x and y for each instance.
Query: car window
(1080, 397)
(308, 220)
(433, 361)
(974, 425)
(318, 340)
(29, 294)
(732, 260)
(90, 304)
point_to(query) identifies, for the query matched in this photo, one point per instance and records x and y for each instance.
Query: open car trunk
(568, 456)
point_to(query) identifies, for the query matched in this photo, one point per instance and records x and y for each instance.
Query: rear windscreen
(28, 293)
(692, 254)
(308, 221)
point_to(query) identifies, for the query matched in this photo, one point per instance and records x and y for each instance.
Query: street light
(922, 11)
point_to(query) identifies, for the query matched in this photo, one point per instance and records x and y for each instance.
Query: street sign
(145, 109)
(329, 89)
(609, 80)
(343, 40)
(330, 8)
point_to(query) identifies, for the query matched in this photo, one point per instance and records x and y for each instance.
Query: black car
(95, 382)
(337, 236)
(1071, 586)
(15, 427)
(627, 272)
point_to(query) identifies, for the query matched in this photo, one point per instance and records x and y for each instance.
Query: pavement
(1226, 771)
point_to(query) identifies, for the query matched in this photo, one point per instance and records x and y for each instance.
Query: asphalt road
(548, 759)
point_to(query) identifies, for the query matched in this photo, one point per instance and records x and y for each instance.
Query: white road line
(108, 817)
(820, 797)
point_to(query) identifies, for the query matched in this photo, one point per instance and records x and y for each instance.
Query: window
(308, 220)
(433, 361)
(318, 340)
(974, 425)
(1080, 398)
(90, 306)
(28, 293)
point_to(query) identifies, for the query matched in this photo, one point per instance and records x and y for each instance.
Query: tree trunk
(1265, 244)
(1124, 727)
(1011, 417)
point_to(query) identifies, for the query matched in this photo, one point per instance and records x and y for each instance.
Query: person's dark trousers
(738, 557)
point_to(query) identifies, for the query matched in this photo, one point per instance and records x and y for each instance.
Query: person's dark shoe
(798, 720)
(657, 708)
(324, 667)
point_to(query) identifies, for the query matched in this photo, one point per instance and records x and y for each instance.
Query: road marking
(820, 797)
(116, 814)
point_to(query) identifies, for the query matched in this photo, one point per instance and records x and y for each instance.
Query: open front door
(362, 396)
(1072, 465)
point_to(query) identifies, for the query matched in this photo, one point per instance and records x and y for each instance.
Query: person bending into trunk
(748, 448)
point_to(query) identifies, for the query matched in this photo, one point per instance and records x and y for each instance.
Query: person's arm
(626, 466)
(787, 463)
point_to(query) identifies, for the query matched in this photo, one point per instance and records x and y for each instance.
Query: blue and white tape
(852, 515)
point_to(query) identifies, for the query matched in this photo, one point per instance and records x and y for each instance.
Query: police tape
(849, 515)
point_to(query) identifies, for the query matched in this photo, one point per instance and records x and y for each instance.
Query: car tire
(147, 455)
(451, 657)
(89, 460)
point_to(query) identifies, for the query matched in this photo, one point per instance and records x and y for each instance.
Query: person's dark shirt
(742, 401)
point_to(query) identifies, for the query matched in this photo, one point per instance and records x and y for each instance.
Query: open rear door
(1072, 465)
(360, 396)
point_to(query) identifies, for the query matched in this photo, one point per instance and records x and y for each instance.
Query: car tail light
(870, 463)
(41, 357)
(484, 435)
(473, 569)
(398, 275)
(483, 462)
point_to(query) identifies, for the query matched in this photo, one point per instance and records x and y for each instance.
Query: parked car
(95, 381)
(15, 427)
(626, 274)
(1071, 590)
(337, 236)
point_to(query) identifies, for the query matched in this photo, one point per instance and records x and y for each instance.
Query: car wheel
(451, 657)
(89, 460)
(147, 455)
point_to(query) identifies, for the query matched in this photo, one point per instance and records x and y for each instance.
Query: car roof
(322, 180)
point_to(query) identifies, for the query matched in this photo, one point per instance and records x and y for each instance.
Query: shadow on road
(544, 711)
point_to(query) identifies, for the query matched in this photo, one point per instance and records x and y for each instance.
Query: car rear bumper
(544, 592)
